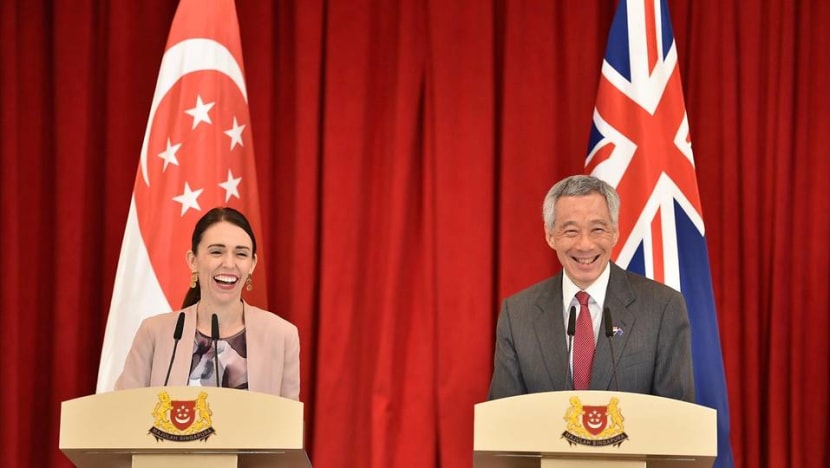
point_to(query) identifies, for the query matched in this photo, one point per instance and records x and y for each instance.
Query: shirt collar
(596, 290)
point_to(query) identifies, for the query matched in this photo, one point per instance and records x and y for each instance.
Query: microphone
(609, 332)
(571, 333)
(214, 335)
(177, 335)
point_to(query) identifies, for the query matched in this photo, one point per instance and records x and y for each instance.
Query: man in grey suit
(651, 336)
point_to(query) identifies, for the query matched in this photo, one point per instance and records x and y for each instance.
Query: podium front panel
(107, 429)
(521, 431)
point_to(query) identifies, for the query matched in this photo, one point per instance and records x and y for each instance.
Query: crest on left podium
(182, 420)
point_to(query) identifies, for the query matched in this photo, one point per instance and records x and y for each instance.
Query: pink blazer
(273, 353)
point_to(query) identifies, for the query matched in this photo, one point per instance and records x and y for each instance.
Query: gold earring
(249, 283)
(194, 279)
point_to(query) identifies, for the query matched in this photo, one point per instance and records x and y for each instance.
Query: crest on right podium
(595, 426)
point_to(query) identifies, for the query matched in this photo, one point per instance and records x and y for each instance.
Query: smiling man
(650, 331)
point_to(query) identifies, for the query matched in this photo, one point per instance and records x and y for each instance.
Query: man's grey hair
(577, 186)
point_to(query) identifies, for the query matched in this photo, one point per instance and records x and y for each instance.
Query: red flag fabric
(197, 154)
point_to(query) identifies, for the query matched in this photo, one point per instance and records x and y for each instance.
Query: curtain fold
(403, 151)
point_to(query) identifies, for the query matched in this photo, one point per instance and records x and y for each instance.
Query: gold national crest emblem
(594, 426)
(182, 420)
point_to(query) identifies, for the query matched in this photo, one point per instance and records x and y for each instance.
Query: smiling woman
(220, 326)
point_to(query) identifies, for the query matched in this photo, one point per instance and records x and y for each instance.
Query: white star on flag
(231, 186)
(169, 154)
(189, 199)
(200, 112)
(235, 133)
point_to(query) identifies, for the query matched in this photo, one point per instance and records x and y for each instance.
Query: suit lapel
(180, 374)
(618, 297)
(254, 333)
(550, 334)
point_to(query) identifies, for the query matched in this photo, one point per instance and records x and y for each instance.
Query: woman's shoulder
(265, 316)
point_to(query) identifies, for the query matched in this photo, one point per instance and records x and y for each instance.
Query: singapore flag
(197, 154)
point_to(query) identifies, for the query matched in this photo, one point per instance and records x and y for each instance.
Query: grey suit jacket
(653, 354)
(273, 353)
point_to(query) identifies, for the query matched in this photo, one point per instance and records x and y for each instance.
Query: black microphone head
(214, 327)
(609, 327)
(572, 321)
(177, 333)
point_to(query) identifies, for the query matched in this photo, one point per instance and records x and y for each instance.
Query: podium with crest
(593, 429)
(183, 427)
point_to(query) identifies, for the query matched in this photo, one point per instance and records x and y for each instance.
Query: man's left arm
(673, 374)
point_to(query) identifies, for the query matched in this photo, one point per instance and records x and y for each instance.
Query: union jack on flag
(640, 144)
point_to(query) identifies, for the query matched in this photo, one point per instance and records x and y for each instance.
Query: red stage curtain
(403, 151)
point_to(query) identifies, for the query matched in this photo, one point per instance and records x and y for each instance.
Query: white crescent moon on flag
(188, 56)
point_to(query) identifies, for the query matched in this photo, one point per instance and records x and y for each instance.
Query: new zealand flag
(640, 144)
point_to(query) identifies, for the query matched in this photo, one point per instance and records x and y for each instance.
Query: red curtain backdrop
(403, 150)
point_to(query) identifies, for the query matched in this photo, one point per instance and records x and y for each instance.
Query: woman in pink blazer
(257, 350)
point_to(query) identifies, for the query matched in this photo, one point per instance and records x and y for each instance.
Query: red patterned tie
(583, 344)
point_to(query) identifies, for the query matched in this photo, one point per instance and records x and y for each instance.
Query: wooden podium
(593, 429)
(183, 427)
